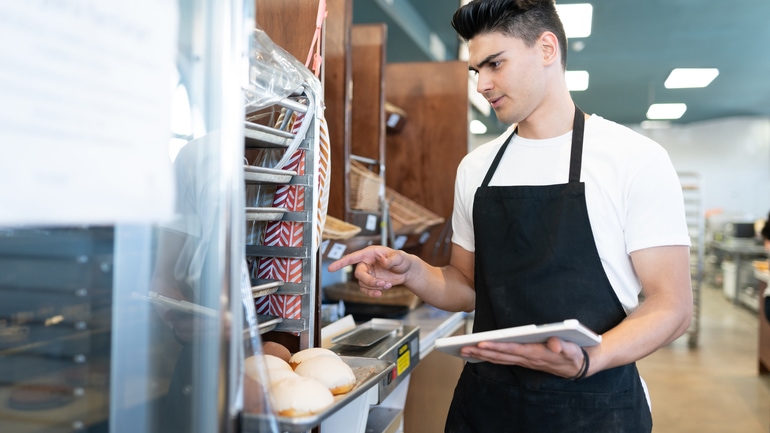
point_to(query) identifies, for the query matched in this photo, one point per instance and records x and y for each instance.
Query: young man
(569, 216)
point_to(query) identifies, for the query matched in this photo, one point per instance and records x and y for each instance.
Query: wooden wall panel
(289, 23)
(368, 137)
(337, 95)
(422, 159)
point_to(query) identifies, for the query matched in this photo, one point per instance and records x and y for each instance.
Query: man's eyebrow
(484, 62)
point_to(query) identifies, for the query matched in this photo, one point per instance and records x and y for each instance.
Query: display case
(123, 321)
(55, 323)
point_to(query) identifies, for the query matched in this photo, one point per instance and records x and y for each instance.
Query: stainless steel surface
(368, 334)
(402, 349)
(265, 213)
(267, 323)
(266, 289)
(434, 323)
(384, 420)
(369, 372)
(267, 175)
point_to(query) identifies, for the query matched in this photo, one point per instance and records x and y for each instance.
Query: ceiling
(633, 47)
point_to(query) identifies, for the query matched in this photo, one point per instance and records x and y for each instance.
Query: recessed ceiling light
(576, 18)
(478, 127)
(577, 80)
(666, 111)
(687, 78)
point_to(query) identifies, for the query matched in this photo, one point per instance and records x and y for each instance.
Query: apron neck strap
(497, 159)
(576, 154)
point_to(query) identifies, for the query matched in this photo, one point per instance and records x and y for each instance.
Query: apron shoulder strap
(576, 155)
(496, 161)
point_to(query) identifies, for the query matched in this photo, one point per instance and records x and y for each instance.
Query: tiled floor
(715, 387)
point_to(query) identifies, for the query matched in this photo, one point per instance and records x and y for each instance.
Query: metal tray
(265, 213)
(253, 173)
(266, 289)
(369, 372)
(368, 333)
(267, 323)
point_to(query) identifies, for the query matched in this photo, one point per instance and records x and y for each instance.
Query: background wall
(733, 158)
(731, 155)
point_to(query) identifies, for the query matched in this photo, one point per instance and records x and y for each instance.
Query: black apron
(537, 262)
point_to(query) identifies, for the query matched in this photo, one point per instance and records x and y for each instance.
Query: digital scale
(386, 340)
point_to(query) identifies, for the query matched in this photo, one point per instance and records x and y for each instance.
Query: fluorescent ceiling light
(478, 127)
(666, 111)
(577, 80)
(688, 78)
(576, 18)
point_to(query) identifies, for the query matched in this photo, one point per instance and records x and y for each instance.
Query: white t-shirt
(633, 193)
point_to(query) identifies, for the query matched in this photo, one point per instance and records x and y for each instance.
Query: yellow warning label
(403, 359)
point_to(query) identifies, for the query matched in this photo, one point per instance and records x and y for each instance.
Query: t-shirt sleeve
(462, 214)
(655, 214)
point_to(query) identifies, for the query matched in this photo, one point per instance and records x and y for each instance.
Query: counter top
(748, 247)
(434, 323)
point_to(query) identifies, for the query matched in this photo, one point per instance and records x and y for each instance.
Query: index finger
(350, 259)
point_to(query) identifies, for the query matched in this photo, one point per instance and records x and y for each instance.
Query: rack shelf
(696, 225)
(278, 135)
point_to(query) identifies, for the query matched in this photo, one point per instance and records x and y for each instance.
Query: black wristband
(583, 368)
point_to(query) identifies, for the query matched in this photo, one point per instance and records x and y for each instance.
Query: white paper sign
(85, 97)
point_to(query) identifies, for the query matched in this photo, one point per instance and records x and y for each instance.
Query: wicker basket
(364, 187)
(407, 216)
(349, 292)
(337, 229)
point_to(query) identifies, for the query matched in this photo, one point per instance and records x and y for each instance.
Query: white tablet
(568, 330)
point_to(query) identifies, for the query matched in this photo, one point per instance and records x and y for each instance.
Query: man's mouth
(495, 102)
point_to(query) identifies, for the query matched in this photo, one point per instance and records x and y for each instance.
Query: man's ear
(549, 45)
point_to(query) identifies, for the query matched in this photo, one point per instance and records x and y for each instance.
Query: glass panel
(126, 328)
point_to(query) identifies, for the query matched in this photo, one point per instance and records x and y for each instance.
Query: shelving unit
(271, 134)
(692, 190)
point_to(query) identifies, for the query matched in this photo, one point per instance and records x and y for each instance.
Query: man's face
(511, 75)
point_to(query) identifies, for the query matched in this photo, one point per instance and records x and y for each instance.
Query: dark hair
(523, 19)
(766, 229)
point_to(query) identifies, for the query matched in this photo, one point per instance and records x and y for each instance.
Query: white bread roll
(312, 352)
(300, 396)
(275, 363)
(276, 375)
(332, 372)
(251, 369)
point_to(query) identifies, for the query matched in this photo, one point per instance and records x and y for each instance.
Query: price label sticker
(424, 237)
(371, 222)
(337, 251)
